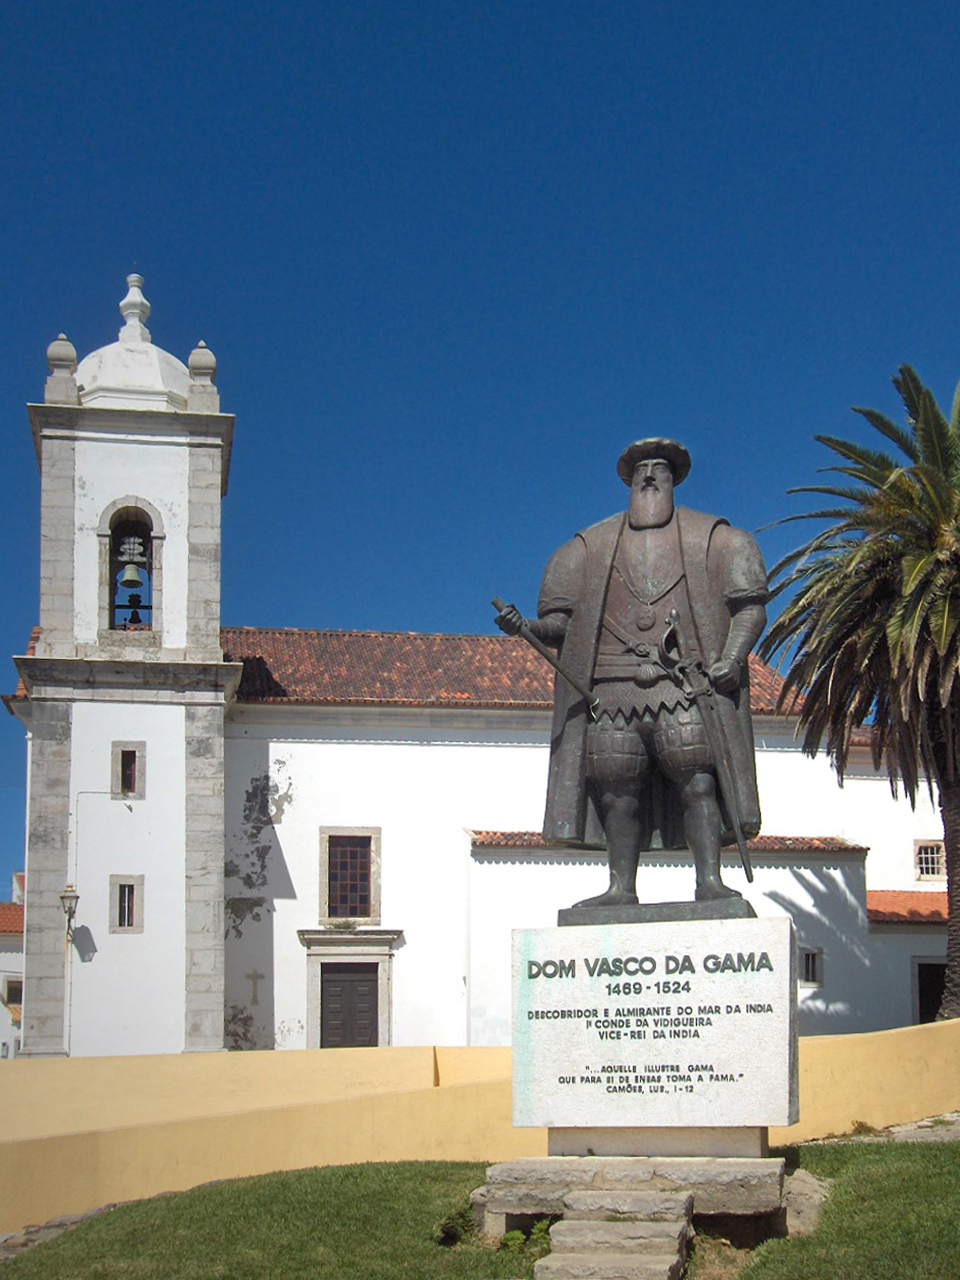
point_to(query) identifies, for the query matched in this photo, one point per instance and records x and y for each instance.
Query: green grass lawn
(355, 1222)
(893, 1212)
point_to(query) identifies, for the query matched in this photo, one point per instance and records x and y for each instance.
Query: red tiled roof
(407, 669)
(378, 668)
(760, 844)
(906, 906)
(14, 1012)
(11, 917)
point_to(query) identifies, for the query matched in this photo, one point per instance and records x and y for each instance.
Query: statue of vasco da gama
(654, 610)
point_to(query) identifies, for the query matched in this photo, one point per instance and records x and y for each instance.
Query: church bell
(131, 577)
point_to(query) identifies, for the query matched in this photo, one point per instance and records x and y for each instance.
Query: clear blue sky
(453, 256)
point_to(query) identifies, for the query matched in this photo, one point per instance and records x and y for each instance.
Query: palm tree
(872, 630)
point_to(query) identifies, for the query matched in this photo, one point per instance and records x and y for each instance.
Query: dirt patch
(713, 1258)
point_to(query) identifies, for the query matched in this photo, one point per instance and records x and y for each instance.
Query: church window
(128, 770)
(131, 572)
(126, 904)
(350, 874)
(349, 882)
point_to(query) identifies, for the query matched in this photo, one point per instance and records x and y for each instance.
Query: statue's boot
(709, 884)
(623, 883)
(702, 828)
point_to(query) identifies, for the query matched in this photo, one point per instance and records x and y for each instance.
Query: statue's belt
(640, 663)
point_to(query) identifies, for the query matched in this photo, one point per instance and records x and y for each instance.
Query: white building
(11, 970)
(286, 839)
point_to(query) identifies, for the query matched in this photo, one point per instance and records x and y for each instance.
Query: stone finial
(203, 396)
(61, 386)
(135, 310)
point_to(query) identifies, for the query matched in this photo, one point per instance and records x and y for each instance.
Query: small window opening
(131, 575)
(125, 906)
(811, 967)
(128, 772)
(14, 991)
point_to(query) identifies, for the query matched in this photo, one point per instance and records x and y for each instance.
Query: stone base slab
(740, 1142)
(657, 912)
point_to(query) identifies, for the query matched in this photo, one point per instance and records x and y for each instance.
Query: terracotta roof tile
(11, 917)
(407, 669)
(761, 844)
(907, 906)
(14, 1012)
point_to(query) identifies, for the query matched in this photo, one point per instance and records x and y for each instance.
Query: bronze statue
(654, 612)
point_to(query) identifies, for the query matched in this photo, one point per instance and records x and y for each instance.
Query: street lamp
(68, 900)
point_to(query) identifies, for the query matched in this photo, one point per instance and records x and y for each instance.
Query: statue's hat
(671, 451)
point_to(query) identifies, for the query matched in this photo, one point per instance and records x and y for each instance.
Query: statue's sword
(593, 702)
(696, 683)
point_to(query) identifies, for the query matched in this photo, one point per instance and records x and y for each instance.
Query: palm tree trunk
(950, 813)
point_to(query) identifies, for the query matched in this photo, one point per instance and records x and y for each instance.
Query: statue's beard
(650, 507)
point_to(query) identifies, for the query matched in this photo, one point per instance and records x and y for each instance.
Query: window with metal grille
(349, 876)
(930, 860)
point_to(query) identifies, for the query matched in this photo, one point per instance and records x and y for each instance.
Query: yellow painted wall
(81, 1132)
(883, 1078)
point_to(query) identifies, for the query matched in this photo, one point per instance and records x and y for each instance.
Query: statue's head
(652, 468)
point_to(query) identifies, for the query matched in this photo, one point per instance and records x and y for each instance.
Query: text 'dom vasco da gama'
(685, 1023)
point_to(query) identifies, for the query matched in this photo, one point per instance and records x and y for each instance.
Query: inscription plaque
(684, 1023)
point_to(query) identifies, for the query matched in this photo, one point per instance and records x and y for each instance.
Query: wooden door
(348, 1005)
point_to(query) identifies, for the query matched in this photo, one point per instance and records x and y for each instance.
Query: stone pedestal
(677, 1037)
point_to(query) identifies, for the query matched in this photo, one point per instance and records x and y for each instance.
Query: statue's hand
(511, 620)
(725, 674)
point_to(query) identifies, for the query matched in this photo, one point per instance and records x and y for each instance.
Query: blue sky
(453, 256)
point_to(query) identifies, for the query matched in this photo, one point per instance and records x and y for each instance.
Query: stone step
(609, 1266)
(719, 1185)
(622, 1237)
(542, 1202)
(653, 1206)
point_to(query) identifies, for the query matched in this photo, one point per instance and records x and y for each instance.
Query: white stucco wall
(800, 795)
(126, 990)
(106, 472)
(11, 966)
(422, 782)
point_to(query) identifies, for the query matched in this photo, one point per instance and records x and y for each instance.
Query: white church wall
(426, 782)
(112, 470)
(421, 780)
(890, 828)
(126, 989)
(799, 795)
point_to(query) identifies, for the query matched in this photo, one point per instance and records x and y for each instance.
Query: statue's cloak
(723, 570)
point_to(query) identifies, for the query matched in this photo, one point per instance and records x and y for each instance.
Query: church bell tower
(125, 696)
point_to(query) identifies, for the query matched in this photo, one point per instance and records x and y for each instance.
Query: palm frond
(869, 631)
